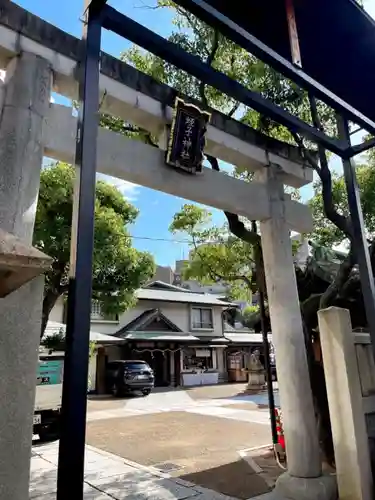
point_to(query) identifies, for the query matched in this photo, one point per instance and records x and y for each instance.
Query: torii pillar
(24, 107)
(304, 478)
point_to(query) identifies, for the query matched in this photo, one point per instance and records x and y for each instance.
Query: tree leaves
(118, 268)
(216, 255)
(328, 234)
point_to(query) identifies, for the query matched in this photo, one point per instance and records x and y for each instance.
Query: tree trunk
(49, 301)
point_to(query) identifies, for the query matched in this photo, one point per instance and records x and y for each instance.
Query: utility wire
(158, 239)
(170, 240)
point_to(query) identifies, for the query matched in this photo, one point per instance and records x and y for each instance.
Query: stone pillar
(214, 354)
(26, 102)
(223, 375)
(304, 477)
(172, 371)
(344, 392)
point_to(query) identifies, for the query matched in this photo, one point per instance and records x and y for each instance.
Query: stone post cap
(19, 263)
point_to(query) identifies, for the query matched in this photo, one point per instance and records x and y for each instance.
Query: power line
(170, 240)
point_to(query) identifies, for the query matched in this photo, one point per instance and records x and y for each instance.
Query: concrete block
(39, 465)
(146, 167)
(89, 493)
(349, 434)
(297, 488)
(43, 483)
(140, 486)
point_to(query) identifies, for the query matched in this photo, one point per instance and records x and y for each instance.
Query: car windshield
(137, 365)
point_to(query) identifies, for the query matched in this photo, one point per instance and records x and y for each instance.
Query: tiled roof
(160, 336)
(146, 318)
(180, 295)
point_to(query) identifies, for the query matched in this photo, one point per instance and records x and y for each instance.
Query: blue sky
(156, 209)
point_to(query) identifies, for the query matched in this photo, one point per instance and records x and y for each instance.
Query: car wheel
(49, 433)
(116, 391)
(146, 392)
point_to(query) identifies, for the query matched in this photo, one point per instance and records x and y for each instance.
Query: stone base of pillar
(256, 380)
(289, 487)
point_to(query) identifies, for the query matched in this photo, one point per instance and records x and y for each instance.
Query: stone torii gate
(39, 58)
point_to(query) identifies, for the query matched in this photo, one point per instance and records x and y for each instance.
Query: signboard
(202, 353)
(187, 137)
(50, 372)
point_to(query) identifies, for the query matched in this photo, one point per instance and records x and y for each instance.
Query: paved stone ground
(191, 443)
(108, 477)
(197, 434)
(220, 401)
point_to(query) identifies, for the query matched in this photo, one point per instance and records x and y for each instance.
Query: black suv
(127, 376)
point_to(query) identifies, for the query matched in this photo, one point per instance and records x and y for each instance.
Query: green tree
(325, 232)
(216, 255)
(250, 314)
(118, 268)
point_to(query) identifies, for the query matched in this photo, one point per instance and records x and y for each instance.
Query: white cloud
(128, 189)
(52, 99)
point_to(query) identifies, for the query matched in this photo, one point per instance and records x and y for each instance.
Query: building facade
(178, 332)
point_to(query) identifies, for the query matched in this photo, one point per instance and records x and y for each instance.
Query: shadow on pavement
(237, 479)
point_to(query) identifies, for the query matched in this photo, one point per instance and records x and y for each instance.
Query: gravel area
(198, 448)
(217, 391)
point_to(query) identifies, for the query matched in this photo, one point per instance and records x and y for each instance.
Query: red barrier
(279, 429)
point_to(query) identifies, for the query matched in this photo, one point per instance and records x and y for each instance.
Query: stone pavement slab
(110, 477)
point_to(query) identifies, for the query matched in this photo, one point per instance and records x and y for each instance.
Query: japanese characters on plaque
(187, 137)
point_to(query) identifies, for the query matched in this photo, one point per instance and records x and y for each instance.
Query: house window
(98, 315)
(197, 359)
(201, 318)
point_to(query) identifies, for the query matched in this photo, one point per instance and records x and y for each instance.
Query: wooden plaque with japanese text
(187, 137)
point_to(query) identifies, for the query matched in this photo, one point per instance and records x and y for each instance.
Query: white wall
(57, 313)
(178, 313)
(92, 372)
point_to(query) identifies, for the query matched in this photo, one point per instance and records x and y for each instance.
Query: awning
(246, 338)
(203, 345)
(211, 341)
(54, 327)
(160, 337)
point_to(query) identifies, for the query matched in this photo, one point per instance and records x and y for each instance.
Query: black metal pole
(73, 418)
(267, 363)
(359, 232)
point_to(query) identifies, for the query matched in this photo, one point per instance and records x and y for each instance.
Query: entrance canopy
(336, 39)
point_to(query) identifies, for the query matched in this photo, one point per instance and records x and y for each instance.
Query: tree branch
(233, 110)
(340, 279)
(343, 223)
(148, 140)
(209, 60)
(64, 288)
(214, 275)
(235, 225)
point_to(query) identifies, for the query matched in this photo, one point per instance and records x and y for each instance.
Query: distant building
(165, 274)
(178, 332)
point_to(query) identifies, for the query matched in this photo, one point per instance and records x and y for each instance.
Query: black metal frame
(99, 15)
(128, 28)
(73, 412)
